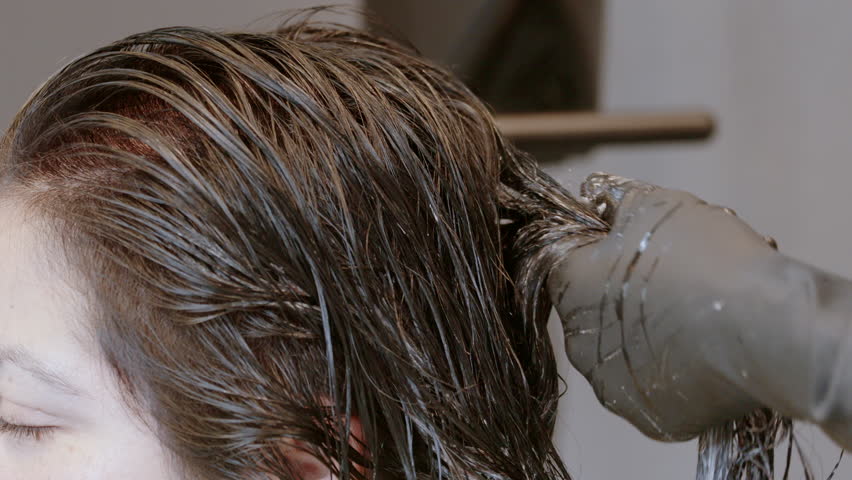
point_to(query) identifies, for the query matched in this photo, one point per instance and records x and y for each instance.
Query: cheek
(59, 456)
(118, 452)
(128, 452)
(136, 461)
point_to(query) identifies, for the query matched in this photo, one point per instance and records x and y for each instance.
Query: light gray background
(778, 73)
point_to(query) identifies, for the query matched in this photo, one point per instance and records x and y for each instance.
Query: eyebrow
(25, 360)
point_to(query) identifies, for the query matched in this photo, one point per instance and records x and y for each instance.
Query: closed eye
(25, 432)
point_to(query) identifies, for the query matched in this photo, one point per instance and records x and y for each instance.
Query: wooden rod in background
(596, 127)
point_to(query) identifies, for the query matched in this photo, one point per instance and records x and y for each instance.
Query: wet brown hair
(284, 229)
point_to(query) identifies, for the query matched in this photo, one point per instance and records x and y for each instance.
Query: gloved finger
(606, 192)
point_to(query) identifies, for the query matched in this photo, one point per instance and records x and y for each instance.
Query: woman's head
(244, 245)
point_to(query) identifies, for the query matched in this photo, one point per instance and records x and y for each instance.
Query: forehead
(28, 276)
(40, 309)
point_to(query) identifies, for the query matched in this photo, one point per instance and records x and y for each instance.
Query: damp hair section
(281, 231)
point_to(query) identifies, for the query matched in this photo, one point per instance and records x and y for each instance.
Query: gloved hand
(684, 317)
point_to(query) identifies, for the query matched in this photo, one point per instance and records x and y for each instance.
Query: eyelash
(25, 431)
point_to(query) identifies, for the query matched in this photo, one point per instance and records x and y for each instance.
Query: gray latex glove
(683, 317)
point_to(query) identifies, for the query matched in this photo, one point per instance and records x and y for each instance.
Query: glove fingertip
(605, 192)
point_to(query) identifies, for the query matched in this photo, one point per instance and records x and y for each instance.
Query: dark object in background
(538, 60)
(518, 55)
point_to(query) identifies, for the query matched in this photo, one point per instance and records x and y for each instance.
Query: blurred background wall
(777, 74)
(37, 37)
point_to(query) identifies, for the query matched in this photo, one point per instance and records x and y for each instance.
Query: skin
(96, 437)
